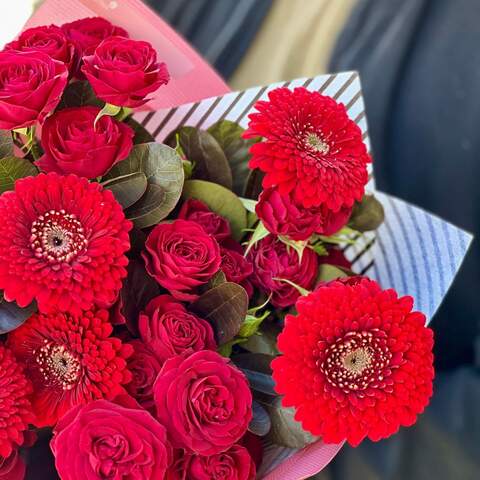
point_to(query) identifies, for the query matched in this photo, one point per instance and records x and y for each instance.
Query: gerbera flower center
(357, 361)
(316, 142)
(58, 365)
(57, 236)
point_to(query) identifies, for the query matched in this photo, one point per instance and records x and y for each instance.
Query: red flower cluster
(356, 362)
(71, 361)
(62, 242)
(311, 148)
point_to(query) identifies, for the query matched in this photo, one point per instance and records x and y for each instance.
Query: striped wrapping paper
(413, 251)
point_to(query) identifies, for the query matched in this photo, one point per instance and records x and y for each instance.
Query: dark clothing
(420, 68)
(221, 30)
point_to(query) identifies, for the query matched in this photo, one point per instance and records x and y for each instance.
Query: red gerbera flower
(62, 242)
(311, 147)
(356, 363)
(71, 360)
(15, 408)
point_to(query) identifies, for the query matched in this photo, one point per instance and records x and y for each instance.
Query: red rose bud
(282, 215)
(273, 262)
(356, 362)
(73, 145)
(214, 224)
(203, 401)
(12, 467)
(181, 256)
(50, 40)
(234, 463)
(106, 440)
(236, 268)
(144, 366)
(123, 72)
(169, 329)
(311, 148)
(31, 87)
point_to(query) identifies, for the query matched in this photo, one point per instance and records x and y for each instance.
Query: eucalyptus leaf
(201, 148)
(237, 150)
(216, 280)
(285, 430)
(128, 189)
(79, 94)
(367, 215)
(260, 382)
(6, 143)
(257, 362)
(163, 170)
(221, 201)
(12, 316)
(13, 168)
(260, 424)
(225, 307)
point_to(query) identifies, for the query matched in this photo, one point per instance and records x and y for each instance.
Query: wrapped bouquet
(213, 291)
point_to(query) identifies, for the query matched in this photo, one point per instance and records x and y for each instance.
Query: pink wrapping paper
(192, 79)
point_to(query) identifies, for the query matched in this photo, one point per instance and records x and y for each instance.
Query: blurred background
(419, 63)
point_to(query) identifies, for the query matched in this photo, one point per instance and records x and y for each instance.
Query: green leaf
(260, 424)
(221, 201)
(6, 143)
(251, 324)
(225, 307)
(107, 110)
(259, 233)
(319, 248)
(301, 290)
(12, 316)
(297, 245)
(164, 172)
(367, 215)
(285, 429)
(137, 290)
(127, 189)
(13, 168)
(215, 281)
(327, 273)
(229, 136)
(142, 135)
(79, 94)
(225, 350)
(205, 153)
(249, 204)
(253, 185)
(265, 342)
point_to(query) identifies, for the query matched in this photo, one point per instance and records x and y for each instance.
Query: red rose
(73, 145)
(123, 72)
(214, 224)
(274, 262)
(233, 464)
(12, 467)
(282, 215)
(180, 256)
(30, 88)
(236, 268)
(106, 440)
(88, 33)
(50, 40)
(169, 329)
(203, 401)
(144, 366)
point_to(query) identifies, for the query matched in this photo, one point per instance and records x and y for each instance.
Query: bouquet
(186, 298)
